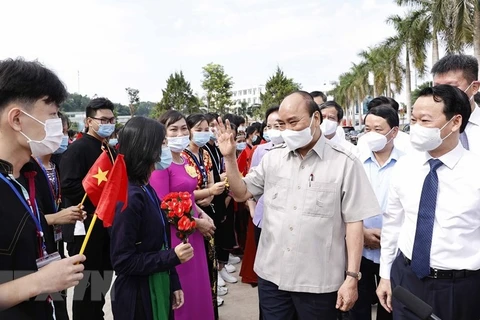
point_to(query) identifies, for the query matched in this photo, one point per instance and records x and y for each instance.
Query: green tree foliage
(278, 86)
(178, 95)
(418, 89)
(218, 86)
(75, 102)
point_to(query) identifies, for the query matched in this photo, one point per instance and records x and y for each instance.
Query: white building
(250, 95)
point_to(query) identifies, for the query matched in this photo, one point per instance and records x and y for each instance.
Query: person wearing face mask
(431, 231)
(320, 98)
(402, 139)
(141, 233)
(181, 176)
(223, 217)
(332, 114)
(308, 201)
(461, 71)
(76, 162)
(199, 159)
(381, 127)
(30, 95)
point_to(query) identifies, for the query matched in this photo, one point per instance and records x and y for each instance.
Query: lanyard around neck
(29, 206)
(156, 203)
(200, 165)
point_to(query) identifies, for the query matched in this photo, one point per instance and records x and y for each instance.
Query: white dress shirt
(456, 230)
(337, 139)
(473, 131)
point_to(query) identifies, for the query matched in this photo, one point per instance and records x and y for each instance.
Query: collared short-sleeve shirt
(307, 203)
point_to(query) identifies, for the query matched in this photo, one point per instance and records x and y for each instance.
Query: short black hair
(455, 101)
(319, 94)
(140, 142)
(256, 126)
(382, 100)
(27, 82)
(330, 104)
(170, 117)
(194, 119)
(71, 133)
(230, 117)
(238, 120)
(386, 112)
(271, 110)
(312, 106)
(477, 98)
(453, 62)
(211, 117)
(98, 104)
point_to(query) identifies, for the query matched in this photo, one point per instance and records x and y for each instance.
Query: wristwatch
(356, 275)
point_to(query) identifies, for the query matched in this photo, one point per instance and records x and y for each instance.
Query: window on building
(244, 92)
(254, 91)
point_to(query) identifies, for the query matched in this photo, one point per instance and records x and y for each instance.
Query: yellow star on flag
(101, 176)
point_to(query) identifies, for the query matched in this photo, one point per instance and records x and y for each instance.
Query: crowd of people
(326, 229)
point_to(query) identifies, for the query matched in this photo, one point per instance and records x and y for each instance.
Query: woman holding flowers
(181, 177)
(147, 285)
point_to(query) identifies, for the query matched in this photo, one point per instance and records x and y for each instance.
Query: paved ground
(241, 302)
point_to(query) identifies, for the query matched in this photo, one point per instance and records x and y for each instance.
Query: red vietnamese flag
(96, 178)
(115, 190)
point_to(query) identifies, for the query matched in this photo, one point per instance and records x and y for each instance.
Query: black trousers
(285, 305)
(89, 295)
(451, 299)
(367, 286)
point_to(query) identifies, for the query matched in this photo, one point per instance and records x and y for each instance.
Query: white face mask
(376, 141)
(328, 127)
(298, 139)
(427, 139)
(178, 144)
(275, 136)
(53, 137)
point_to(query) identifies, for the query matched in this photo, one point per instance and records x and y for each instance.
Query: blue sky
(118, 43)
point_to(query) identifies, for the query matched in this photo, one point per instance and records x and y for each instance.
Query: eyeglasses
(106, 120)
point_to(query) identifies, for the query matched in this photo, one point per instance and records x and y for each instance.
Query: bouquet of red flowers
(178, 206)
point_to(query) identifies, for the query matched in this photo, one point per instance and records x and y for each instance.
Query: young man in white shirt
(461, 71)
(431, 228)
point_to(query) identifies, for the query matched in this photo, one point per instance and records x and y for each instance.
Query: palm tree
(384, 63)
(436, 12)
(413, 34)
(467, 23)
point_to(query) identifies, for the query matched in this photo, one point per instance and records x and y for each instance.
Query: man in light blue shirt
(381, 125)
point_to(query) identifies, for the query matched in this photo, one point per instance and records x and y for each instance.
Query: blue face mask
(165, 159)
(254, 138)
(106, 130)
(201, 138)
(63, 146)
(113, 142)
(266, 136)
(241, 146)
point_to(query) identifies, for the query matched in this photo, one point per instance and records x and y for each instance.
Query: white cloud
(117, 44)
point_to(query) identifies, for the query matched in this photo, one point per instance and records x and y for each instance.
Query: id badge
(43, 261)
(57, 233)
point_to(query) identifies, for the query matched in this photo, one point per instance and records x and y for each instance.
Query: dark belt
(446, 274)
